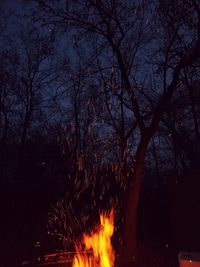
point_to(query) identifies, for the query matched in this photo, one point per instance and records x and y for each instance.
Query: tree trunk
(130, 248)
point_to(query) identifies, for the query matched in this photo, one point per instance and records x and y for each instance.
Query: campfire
(96, 249)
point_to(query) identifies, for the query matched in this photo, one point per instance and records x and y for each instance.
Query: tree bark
(130, 248)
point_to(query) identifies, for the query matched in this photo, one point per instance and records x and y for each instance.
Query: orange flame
(99, 243)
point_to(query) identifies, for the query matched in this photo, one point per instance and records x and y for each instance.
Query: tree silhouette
(143, 40)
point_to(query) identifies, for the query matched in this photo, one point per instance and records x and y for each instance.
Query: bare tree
(144, 39)
(33, 75)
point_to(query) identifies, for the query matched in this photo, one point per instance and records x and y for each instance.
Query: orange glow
(99, 244)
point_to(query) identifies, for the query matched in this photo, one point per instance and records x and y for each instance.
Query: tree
(144, 40)
(180, 126)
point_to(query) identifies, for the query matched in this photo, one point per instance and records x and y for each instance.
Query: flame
(98, 248)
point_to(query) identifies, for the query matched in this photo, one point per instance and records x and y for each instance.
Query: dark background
(58, 142)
